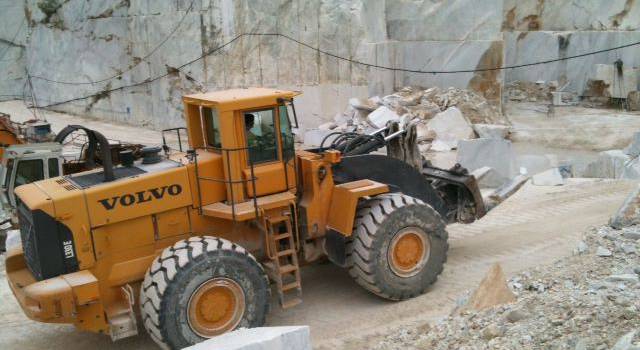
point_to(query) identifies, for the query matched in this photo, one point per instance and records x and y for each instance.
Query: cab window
(285, 133)
(212, 126)
(54, 171)
(260, 133)
(29, 171)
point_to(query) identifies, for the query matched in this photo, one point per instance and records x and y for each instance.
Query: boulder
(492, 291)
(633, 150)
(381, 116)
(424, 111)
(487, 177)
(362, 104)
(497, 154)
(629, 213)
(631, 170)
(632, 233)
(551, 177)
(491, 131)
(625, 342)
(327, 126)
(609, 165)
(603, 252)
(633, 101)
(423, 133)
(260, 338)
(450, 126)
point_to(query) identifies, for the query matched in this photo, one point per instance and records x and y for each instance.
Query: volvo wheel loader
(193, 240)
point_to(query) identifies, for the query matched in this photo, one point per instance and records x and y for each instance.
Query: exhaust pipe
(95, 139)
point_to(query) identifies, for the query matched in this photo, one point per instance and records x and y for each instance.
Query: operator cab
(251, 130)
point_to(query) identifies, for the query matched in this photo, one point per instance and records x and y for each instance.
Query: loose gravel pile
(587, 301)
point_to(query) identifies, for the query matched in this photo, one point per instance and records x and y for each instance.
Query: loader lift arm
(454, 193)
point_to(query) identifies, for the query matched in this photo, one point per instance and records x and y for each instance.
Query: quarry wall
(80, 41)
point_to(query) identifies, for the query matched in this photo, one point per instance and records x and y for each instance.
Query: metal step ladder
(282, 251)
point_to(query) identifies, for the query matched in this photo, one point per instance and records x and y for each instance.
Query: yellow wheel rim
(409, 251)
(216, 307)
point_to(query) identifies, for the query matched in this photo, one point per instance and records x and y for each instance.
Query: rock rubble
(586, 301)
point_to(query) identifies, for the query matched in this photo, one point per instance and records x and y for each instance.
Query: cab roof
(239, 98)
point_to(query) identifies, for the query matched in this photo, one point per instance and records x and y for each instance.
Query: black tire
(378, 220)
(177, 274)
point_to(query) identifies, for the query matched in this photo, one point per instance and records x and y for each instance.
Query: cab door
(263, 134)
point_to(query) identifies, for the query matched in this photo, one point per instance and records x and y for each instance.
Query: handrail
(231, 182)
(165, 147)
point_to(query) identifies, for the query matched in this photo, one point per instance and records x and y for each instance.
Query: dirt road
(536, 226)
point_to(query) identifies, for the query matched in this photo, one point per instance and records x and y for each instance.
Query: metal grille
(91, 179)
(28, 237)
(66, 184)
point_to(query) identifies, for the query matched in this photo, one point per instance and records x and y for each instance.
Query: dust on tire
(377, 221)
(178, 271)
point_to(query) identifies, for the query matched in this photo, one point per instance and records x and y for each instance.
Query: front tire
(200, 288)
(398, 247)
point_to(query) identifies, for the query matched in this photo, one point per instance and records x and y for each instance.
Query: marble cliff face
(85, 41)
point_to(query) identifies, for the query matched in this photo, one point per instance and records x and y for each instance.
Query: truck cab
(23, 164)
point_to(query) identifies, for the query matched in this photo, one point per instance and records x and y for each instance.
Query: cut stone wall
(79, 40)
(84, 41)
(13, 35)
(536, 30)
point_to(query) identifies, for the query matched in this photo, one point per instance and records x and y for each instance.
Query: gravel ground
(589, 300)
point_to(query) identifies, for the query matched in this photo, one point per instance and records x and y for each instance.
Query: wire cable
(13, 39)
(130, 68)
(239, 36)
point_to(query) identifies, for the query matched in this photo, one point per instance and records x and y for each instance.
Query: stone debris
(381, 116)
(579, 302)
(625, 342)
(529, 91)
(492, 131)
(629, 213)
(631, 233)
(492, 331)
(603, 252)
(516, 315)
(582, 247)
(455, 112)
(628, 277)
(450, 127)
(362, 104)
(551, 177)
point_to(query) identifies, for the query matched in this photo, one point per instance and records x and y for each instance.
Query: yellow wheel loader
(193, 240)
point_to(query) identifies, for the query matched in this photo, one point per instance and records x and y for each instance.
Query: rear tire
(202, 287)
(398, 247)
